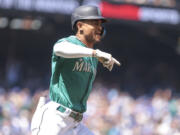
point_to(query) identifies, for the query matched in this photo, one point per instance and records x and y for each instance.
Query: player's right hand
(106, 59)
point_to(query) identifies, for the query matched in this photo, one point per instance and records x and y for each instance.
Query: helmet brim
(104, 20)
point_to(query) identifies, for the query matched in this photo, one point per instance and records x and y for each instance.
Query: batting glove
(106, 59)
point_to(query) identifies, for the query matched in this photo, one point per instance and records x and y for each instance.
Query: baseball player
(74, 64)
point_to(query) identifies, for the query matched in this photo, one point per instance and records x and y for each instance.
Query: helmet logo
(99, 12)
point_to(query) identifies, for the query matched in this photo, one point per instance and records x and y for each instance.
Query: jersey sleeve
(55, 57)
(59, 58)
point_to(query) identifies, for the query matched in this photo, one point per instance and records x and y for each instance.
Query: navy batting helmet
(86, 12)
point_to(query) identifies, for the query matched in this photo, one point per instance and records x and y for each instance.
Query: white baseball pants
(47, 120)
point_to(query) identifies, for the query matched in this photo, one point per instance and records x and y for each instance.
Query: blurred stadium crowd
(110, 112)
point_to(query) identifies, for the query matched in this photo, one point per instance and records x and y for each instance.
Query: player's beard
(91, 38)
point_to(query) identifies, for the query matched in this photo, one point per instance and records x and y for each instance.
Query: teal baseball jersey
(72, 78)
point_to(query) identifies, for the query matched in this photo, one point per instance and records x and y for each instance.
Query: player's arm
(69, 50)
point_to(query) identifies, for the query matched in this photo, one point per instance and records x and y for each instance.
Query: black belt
(75, 115)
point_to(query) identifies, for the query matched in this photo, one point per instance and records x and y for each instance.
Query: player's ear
(79, 27)
(79, 24)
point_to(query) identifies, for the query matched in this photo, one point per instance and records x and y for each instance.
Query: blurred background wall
(142, 34)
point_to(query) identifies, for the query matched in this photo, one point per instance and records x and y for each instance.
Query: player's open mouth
(98, 33)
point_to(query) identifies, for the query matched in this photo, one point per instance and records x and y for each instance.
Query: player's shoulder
(72, 39)
(67, 39)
